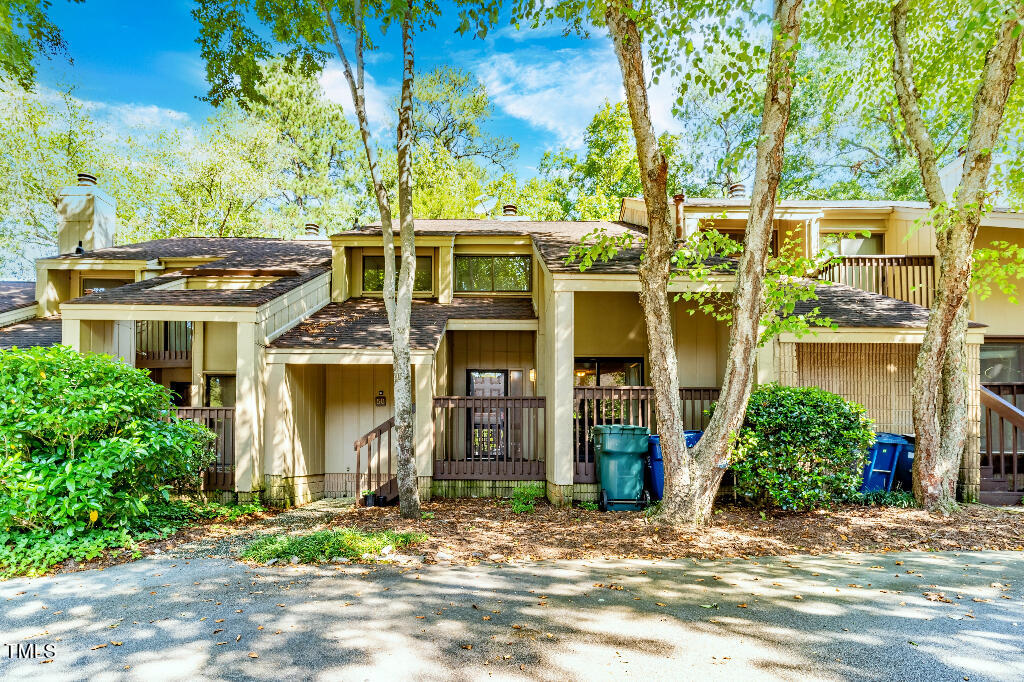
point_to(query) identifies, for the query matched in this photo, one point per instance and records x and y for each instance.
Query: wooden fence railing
(163, 344)
(221, 420)
(908, 278)
(378, 445)
(489, 439)
(1002, 451)
(596, 405)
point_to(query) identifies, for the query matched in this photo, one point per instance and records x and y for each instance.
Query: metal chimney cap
(312, 229)
(737, 191)
(509, 209)
(86, 180)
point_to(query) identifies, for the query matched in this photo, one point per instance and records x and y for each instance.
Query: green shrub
(87, 441)
(524, 497)
(800, 448)
(885, 498)
(324, 545)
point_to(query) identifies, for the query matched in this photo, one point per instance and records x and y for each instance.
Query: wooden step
(996, 484)
(999, 498)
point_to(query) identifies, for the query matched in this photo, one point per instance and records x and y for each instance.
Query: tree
(450, 107)
(948, 60)
(692, 477)
(25, 32)
(323, 176)
(308, 33)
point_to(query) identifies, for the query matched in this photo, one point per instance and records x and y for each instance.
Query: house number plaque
(380, 400)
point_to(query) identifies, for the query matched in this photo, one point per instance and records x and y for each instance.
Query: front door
(487, 419)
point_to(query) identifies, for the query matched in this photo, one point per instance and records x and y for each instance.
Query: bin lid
(629, 429)
(891, 438)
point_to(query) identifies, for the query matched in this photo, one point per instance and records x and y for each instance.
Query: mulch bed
(475, 529)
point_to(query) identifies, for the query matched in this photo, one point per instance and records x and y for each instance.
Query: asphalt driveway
(914, 616)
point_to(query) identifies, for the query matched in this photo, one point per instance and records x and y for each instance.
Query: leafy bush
(524, 497)
(87, 441)
(324, 545)
(167, 517)
(800, 448)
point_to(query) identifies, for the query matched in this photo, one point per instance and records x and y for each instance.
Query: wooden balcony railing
(221, 420)
(489, 439)
(163, 344)
(595, 405)
(908, 278)
(1002, 449)
(370, 449)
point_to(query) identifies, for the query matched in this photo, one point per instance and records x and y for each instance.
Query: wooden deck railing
(221, 420)
(163, 344)
(378, 445)
(1002, 451)
(489, 439)
(908, 278)
(596, 405)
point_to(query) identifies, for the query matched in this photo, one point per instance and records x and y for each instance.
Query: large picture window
(476, 274)
(1002, 362)
(373, 273)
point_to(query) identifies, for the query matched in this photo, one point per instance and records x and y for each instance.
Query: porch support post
(198, 357)
(970, 466)
(444, 273)
(339, 275)
(246, 406)
(559, 398)
(71, 333)
(279, 434)
(424, 392)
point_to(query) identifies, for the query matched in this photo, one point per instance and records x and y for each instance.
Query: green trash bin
(621, 451)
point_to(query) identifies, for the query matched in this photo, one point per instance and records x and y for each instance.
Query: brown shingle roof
(362, 323)
(14, 295)
(45, 331)
(849, 307)
(237, 252)
(147, 292)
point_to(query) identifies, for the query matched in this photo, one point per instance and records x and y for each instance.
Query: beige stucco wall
(351, 412)
(1002, 317)
(219, 347)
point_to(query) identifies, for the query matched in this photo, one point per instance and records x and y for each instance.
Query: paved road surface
(841, 617)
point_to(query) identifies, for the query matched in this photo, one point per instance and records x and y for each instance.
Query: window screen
(373, 273)
(872, 245)
(492, 273)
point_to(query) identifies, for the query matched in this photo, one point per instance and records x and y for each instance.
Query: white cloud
(139, 116)
(379, 100)
(561, 90)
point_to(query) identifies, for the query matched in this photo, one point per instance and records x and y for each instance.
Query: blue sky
(140, 62)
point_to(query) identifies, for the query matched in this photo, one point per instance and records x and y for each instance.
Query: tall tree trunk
(940, 417)
(397, 303)
(692, 478)
(408, 488)
(654, 270)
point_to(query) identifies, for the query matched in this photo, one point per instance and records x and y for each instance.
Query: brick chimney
(88, 217)
(679, 200)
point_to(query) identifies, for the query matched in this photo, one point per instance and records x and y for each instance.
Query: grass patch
(32, 553)
(324, 545)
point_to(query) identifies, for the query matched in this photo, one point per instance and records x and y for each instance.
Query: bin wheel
(646, 499)
(603, 502)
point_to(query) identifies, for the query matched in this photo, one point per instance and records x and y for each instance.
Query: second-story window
(494, 274)
(373, 273)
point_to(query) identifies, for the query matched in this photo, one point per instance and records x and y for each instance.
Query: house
(283, 348)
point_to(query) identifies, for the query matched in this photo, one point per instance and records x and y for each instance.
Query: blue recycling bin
(880, 469)
(904, 479)
(656, 465)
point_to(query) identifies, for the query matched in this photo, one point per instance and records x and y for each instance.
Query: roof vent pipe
(509, 209)
(86, 180)
(737, 191)
(312, 230)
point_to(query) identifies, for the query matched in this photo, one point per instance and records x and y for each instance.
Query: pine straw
(475, 529)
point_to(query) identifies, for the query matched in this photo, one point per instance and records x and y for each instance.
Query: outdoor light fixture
(533, 375)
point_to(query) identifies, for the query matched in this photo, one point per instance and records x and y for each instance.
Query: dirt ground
(475, 529)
